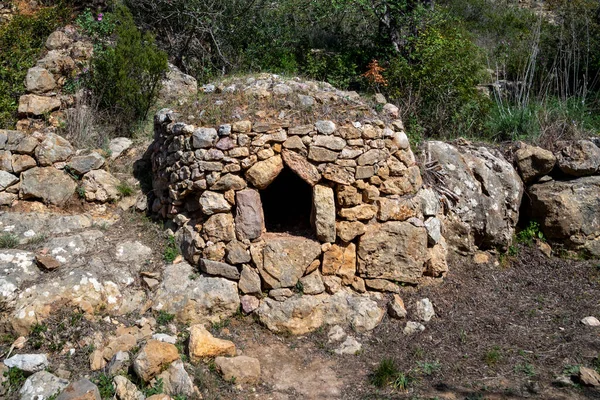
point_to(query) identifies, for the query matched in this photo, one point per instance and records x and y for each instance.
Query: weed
(530, 233)
(492, 356)
(385, 373)
(429, 368)
(14, 379)
(527, 369)
(163, 318)
(38, 239)
(125, 189)
(299, 287)
(8, 241)
(513, 251)
(81, 192)
(156, 389)
(224, 323)
(171, 251)
(571, 370)
(37, 336)
(105, 386)
(402, 381)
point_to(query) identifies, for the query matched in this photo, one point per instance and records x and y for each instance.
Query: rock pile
(373, 222)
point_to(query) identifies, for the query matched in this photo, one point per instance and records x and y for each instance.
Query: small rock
(325, 127)
(28, 362)
(380, 99)
(162, 337)
(249, 303)
(350, 346)
(124, 342)
(425, 310)
(152, 357)
(82, 389)
(242, 369)
(544, 247)
(336, 334)
(126, 390)
(119, 363)
(204, 344)
(481, 257)
(590, 321)
(97, 361)
(47, 262)
(396, 308)
(413, 327)
(118, 145)
(176, 381)
(589, 377)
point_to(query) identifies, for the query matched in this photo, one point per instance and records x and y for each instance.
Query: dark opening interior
(287, 204)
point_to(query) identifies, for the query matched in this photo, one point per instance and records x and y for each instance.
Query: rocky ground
(503, 328)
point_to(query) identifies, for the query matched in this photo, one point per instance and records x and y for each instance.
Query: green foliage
(8, 241)
(429, 368)
(492, 356)
(171, 250)
(526, 369)
(125, 189)
(104, 383)
(529, 234)
(15, 378)
(337, 69)
(385, 373)
(81, 192)
(571, 370)
(21, 42)
(126, 77)
(37, 337)
(96, 25)
(163, 318)
(156, 389)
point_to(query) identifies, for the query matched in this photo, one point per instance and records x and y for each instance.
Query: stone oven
(282, 208)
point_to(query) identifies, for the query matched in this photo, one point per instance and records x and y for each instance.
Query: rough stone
(325, 127)
(249, 303)
(118, 146)
(396, 308)
(7, 179)
(84, 164)
(413, 327)
(122, 343)
(321, 154)
(249, 217)
(177, 85)
(347, 230)
(22, 162)
(329, 142)
(152, 357)
(395, 209)
(362, 212)
(27, 362)
(589, 377)
(99, 185)
(53, 149)
(436, 264)
(48, 184)
(82, 389)
(229, 182)
(36, 106)
(424, 310)
(212, 203)
(120, 362)
(340, 260)
(533, 162)
(312, 283)
(301, 167)
(220, 228)
(203, 344)
(349, 346)
(42, 385)
(237, 253)
(264, 172)
(590, 321)
(219, 269)
(392, 250)
(58, 40)
(39, 80)
(578, 158)
(382, 285)
(337, 174)
(249, 281)
(200, 300)
(176, 381)
(204, 138)
(126, 390)
(323, 216)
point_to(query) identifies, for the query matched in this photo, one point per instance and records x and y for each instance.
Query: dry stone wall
(374, 225)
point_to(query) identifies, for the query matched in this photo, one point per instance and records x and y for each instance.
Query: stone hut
(282, 208)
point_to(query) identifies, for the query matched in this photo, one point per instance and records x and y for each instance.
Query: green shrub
(96, 25)
(171, 250)
(126, 77)
(21, 42)
(529, 234)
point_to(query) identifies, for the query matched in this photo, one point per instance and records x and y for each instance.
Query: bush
(21, 41)
(125, 78)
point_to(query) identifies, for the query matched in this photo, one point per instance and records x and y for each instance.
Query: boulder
(39, 80)
(177, 85)
(323, 215)
(487, 193)
(126, 390)
(204, 344)
(99, 185)
(578, 158)
(301, 314)
(84, 164)
(48, 184)
(568, 211)
(264, 172)
(212, 202)
(37, 106)
(118, 145)
(284, 260)
(204, 138)
(241, 369)
(42, 385)
(28, 362)
(57, 63)
(392, 250)
(22, 162)
(82, 389)
(53, 148)
(533, 162)
(151, 359)
(176, 381)
(199, 300)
